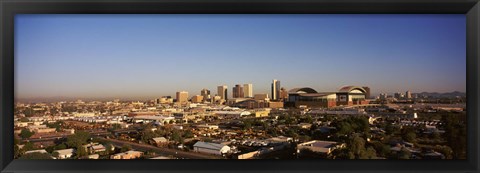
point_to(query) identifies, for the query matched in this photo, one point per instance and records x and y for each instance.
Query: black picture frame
(8, 9)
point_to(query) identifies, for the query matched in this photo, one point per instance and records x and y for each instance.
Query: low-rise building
(160, 141)
(65, 153)
(36, 151)
(127, 155)
(94, 147)
(211, 148)
(319, 146)
(207, 126)
(93, 156)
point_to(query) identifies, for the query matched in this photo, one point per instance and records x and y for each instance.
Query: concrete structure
(158, 119)
(45, 130)
(135, 114)
(166, 100)
(127, 155)
(275, 89)
(65, 153)
(182, 97)
(325, 147)
(207, 126)
(217, 100)
(197, 99)
(238, 91)
(398, 95)
(205, 93)
(211, 148)
(160, 141)
(308, 97)
(248, 90)
(231, 114)
(222, 92)
(351, 95)
(93, 156)
(408, 95)
(94, 148)
(36, 151)
(261, 113)
(261, 97)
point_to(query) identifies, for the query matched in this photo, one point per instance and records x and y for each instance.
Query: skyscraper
(238, 91)
(222, 92)
(275, 89)
(248, 90)
(205, 93)
(408, 94)
(182, 97)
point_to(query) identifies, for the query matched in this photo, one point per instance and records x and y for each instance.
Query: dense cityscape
(295, 123)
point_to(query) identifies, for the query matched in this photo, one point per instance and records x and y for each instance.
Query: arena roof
(351, 88)
(302, 90)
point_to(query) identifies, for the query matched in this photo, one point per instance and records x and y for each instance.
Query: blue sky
(147, 56)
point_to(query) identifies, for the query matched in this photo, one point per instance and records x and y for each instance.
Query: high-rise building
(383, 96)
(222, 92)
(398, 95)
(248, 90)
(275, 89)
(408, 95)
(205, 93)
(182, 97)
(238, 91)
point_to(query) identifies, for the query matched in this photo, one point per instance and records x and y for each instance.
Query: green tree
(403, 154)
(456, 135)
(28, 146)
(25, 133)
(78, 139)
(60, 146)
(408, 134)
(109, 148)
(177, 136)
(383, 150)
(125, 148)
(36, 155)
(81, 151)
(24, 119)
(188, 134)
(16, 151)
(55, 154)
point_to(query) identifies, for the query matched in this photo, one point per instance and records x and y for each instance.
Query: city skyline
(155, 55)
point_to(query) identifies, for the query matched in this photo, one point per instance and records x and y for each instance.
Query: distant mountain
(70, 99)
(442, 95)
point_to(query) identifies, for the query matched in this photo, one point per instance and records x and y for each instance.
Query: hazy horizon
(148, 56)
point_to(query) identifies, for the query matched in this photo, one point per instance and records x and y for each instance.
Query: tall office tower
(248, 90)
(275, 89)
(182, 97)
(222, 92)
(367, 95)
(408, 94)
(237, 91)
(283, 94)
(206, 94)
(398, 95)
(383, 96)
